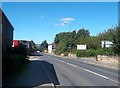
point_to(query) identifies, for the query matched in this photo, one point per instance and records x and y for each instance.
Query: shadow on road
(36, 54)
(49, 68)
(36, 74)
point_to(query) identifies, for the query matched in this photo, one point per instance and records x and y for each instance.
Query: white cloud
(64, 21)
(67, 19)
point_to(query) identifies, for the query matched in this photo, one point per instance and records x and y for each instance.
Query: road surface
(66, 72)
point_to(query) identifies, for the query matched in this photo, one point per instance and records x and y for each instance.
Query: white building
(106, 44)
(52, 48)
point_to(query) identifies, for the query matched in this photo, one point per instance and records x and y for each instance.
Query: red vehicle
(30, 46)
(15, 43)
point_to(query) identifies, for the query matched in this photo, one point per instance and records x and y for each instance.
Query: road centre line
(94, 63)
(105, 77)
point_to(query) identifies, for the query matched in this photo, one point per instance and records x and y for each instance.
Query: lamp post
(70, 39)
(69, 24)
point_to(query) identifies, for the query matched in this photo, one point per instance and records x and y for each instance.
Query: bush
(80, 53)
(57, 52)
(11, 62)
(100, 52)
(21, 49)
(89, 53)
(109, 51)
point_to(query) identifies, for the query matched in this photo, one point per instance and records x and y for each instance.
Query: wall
(7, 34)
(108, 59)
(0, 48)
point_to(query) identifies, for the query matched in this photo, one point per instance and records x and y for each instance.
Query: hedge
(11, 62)
(89, 53)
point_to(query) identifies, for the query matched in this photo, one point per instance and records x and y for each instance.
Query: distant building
(52, 47)
(106, 44)
(37, 46)
(16, 43)
(7, 33)
(30, 45)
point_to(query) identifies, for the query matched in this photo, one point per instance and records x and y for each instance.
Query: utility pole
(70, 39)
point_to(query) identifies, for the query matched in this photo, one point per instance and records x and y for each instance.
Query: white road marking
(105, 77)
(32, 59)
(88, 62)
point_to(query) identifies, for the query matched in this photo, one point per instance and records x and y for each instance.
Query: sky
(40, 21)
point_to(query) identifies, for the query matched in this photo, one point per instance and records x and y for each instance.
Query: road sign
(81, 47)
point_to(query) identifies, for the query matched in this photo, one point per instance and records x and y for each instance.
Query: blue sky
(40, 21)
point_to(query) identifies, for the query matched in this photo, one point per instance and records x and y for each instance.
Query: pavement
(34, 75)
(51, 71)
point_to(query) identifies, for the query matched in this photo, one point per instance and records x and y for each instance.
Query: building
(51, 48)
(37, 46)
(106, 44)
(16, 43)
(0, 33)
(30, 45)
(7, 33)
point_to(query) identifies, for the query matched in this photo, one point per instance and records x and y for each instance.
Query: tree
(43, 45)
(116, 41)
(69, 40)
(62, 47)
(82, 32)
(107, 34)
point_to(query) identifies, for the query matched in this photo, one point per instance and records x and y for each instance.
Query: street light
(70, 39)
(69, 24)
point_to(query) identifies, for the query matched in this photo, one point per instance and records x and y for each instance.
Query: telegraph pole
(70, 46)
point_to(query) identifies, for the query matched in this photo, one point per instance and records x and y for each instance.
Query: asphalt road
(48, 69)
(76, 73)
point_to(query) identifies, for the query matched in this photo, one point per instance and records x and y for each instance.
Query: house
(52, 47)
(7, 33)
(16, 43)
(30, 45)
(37, 46)
(106, 44)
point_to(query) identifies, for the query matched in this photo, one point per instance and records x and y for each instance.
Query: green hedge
(11, 62)
(94, 53)
(89, 53)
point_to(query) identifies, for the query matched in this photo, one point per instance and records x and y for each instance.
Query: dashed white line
(92, 63)
(105, 77)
